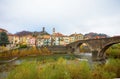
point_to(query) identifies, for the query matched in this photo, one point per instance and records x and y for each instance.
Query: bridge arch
(102, 51)
(77, 47)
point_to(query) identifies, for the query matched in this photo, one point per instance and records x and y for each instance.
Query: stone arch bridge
(97, 46)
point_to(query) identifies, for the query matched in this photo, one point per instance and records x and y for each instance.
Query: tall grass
(100, 73)
(25, 52)
(64, 69)
(27, 70)
(56, 70)
(79, 70)
(113, 66)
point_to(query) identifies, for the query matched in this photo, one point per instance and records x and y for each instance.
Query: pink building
(32, 41)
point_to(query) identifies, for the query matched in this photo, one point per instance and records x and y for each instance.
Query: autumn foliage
(33, 51)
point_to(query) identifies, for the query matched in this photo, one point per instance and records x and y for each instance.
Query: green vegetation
(113, 66)
(99, 72)
(46, 58)
(3, 48)
(65, 69)
(23, 46)
(113, 51)
(47, 65)
(3, 39)
(27, 70)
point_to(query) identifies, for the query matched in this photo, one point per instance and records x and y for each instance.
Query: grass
(27, 70)
(60, 69)
(47, 66)
(113, 66)
(64, 69)
(49, 57)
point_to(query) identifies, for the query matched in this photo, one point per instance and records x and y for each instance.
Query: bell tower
(43, 29)
(53, 31)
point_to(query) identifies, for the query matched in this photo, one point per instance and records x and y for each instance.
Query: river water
(5, 68)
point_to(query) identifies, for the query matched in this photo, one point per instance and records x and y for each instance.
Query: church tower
(43, 29)
(53, 31)
(53, 37)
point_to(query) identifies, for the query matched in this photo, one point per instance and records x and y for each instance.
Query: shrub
(114, 51)
(100, 73)
(79, 70)
(14, 53)
(64, 69)
(54, 71)
(27, 70)
(25, 52)
(113, 65)
(23, 46)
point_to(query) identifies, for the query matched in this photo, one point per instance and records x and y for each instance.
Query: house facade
(3, 30)
(75, 37)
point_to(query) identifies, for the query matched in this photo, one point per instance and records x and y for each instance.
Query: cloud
(67, 16)
(109, 25)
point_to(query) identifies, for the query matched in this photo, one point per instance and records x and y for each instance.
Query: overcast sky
(67, 16)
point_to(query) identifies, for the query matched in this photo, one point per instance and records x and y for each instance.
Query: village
(43, 38)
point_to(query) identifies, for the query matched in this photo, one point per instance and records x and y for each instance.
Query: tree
(3, 39)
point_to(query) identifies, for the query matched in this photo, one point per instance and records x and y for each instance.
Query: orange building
(3, 30)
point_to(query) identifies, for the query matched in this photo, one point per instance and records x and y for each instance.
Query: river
(5, 68)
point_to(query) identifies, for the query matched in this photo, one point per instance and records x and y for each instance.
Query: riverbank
(7, 67)
(54, 65)
(108, 70)
(65, 69)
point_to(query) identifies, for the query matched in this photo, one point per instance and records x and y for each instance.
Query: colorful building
(16, 40)
(3, 30)
(43, 38)
(75, 37)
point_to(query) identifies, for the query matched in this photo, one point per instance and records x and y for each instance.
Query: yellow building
(75, 37)
(16, 40)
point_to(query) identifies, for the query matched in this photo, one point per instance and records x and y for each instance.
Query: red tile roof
(58, 34)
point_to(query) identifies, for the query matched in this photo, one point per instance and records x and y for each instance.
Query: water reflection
(85, 57)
